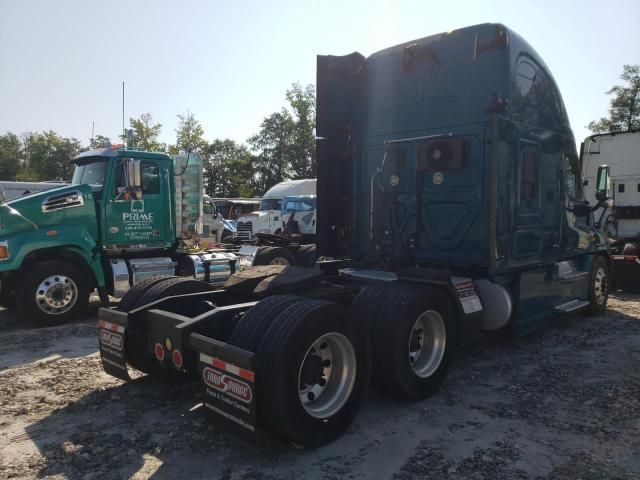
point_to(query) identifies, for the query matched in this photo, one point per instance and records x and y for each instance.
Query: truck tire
(52, 293)
(306, 256)
(138, 346)
(251, 328)
(363, 311)
(598, 287)
(274, 256)
(408, 363)
(310, 373)
(7, 298)
(130, 299)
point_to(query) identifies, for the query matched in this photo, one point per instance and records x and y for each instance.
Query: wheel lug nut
(322, 382)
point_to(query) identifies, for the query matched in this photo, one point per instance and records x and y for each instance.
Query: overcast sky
(62, 62)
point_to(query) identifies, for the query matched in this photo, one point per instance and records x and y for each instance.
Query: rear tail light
(159, 351)
(176, 356)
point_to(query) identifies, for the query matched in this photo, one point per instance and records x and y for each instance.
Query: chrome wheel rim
(280, 261)
(600, 285)
(327, 375)
(56, 294)
(427, 343)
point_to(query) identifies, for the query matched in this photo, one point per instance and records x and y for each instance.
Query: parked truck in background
(620, 152)
(268, 218)
(449, 204)
(212, 219)
(11, 190)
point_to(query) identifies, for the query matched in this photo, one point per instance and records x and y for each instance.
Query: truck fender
(49, 242)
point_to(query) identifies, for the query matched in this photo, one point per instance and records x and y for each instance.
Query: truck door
(137, 214)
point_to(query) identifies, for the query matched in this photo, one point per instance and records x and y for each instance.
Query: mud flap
(228, 383)
(111, 341)
(470, 309)
(626, 271)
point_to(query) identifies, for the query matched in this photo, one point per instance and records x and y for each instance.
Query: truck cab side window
(150, 178)
(571, 176)
(121, 180)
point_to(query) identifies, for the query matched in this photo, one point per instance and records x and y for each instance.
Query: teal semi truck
(450, 204)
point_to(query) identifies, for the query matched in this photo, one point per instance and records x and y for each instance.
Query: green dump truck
(119, 222)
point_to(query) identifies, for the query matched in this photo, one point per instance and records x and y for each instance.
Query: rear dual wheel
(412, 331)
(311, 368)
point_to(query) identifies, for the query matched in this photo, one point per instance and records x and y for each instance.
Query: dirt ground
(561, 403)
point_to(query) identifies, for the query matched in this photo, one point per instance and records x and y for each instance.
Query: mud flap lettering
(111, 340)
(467, 295)
(229, 394)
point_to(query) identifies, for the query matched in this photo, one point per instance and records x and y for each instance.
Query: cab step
(571, 306)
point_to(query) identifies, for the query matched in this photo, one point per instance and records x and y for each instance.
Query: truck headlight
(4, 251)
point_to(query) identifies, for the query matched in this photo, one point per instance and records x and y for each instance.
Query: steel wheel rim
(56, 295)
(427, 343)
(327, 394)
(280, 261)
(600, 285)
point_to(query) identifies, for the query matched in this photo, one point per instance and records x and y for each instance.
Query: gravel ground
(563, 403)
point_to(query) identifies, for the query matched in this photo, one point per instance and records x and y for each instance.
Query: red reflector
(176, 356)
(159, 351)
(630, 258)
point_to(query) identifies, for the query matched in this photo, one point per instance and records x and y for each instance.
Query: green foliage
(624, 108)
(285, 144)
(189, 135)
(273, 145)
(48, 156)
(99, 141)
(27, 175)
(147, 133)
(303, 104)
(227, 169)
(10, 156)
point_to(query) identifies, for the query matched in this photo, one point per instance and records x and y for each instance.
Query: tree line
(283, 148)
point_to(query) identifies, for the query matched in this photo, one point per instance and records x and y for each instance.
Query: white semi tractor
(620, 152)
(271, 218)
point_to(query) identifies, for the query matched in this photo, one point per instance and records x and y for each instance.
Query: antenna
(93, 127)
(124, 134)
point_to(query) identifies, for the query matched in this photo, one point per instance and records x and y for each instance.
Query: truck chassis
(247, 342)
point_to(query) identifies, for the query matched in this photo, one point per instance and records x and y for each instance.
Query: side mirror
(133, 172)
(602, 183)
